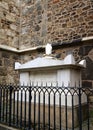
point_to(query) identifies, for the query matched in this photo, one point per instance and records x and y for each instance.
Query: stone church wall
(55, 21)
(9, 23)
(7, 73)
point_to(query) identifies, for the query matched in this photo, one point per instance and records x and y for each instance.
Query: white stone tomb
(51, 70)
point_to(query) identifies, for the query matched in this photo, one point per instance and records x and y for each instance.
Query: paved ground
(4, 127)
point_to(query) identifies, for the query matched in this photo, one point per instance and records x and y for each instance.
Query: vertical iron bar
(49, 110)
(34, 109)
(54, 114)
(6, 103)
(66, 111)
(39, 111)
(25, 111)
(0, 102)
(80, 110)
(21, 111)
(72, 114)
(88, 112)
(3, 102)
(43, 110)
(60, 110)
(17, 111)
(10, 106)
(14, 108)
(29, 111)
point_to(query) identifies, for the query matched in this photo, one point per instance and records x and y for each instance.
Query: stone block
(1, 15)
(91, 98)
(57, 115)
(2, 36)
(11, 17)
(3, 71)
(87, 73)
(37, 28)
(84, 50)
(87, 84)
(9, 32)
(0, 62)
(55, 1)
(13, 27)
(5, 55)
(4, 5)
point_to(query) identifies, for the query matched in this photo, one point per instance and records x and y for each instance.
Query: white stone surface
(17, 65)
(24, 78)
(69, 59)
(83, 63)
(40, 63)
(48, 49)
(44, 62)
(69, 77)
(44, 78)
(87, 38)
(66, 77)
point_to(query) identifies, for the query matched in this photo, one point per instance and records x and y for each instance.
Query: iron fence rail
(45, 107)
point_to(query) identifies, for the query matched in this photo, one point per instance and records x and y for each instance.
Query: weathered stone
(37, 28)
(25, 30)
(2, 36)
(0, 62)
(90, 54)
(15, 57)
(15, 41)
(13, 27)
(91, 23)
(9, 32)
(11, 18)
(57, 115)
(9, 22)
(87, 84)
(84, 50)
(3, 71)
(5, 54)
(7, 73)
(30, 9)
(4, 5)
(7, 62)
(18, 3)
(87, 73)
(55, 1)
(28, 1)
(1, 15)
(60, 14)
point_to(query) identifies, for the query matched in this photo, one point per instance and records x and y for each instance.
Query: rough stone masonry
(55, 21)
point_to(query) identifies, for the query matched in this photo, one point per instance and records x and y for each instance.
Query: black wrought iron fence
(45, 107)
